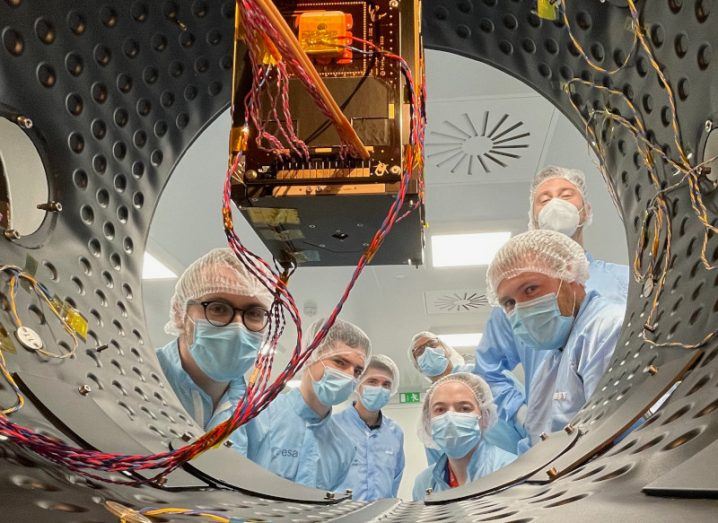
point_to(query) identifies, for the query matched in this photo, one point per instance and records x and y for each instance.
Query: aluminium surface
(99, 183)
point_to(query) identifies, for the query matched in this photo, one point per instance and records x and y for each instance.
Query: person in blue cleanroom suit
(218, 314)
(435, 359)
(378, 463)
(558, 203)
(457, 411)
(296, 436)
(539, 279)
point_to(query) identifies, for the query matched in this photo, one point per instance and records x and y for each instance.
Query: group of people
(557, 312)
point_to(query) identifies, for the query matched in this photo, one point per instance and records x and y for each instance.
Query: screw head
(329, 495)
(708, 126)
(543, 436)
(84, 390)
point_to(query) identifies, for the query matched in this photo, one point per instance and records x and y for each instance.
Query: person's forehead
(554, 184)
(235, 300)
(355, 356)
(453, 392)
(380, 374)
(510, 285)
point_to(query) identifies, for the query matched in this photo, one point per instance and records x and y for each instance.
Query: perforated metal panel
(118, 90)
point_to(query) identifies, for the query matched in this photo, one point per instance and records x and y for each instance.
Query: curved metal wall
(118, 90)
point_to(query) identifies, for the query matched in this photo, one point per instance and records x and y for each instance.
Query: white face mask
(560, 216)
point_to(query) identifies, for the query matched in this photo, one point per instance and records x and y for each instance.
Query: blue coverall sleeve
(399, 466)
(422, 482)
(600, 341)
(495, 355)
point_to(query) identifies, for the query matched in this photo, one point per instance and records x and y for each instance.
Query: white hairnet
(478, 387)
(576, 177)
(385, 364)
(217, 271)
(342, 331)
(455, 358)
(545, 252)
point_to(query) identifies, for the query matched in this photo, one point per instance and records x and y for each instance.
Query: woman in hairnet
(218, 314)
(435, 359)
(296, 436)
(378, 463)
(539, 279)
(457, 410)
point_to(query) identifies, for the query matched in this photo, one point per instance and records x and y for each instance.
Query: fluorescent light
(457, 250)
(294, 384)
(469, 339)
(153, 269)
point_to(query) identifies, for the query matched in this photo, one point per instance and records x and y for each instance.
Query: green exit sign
(409, 397)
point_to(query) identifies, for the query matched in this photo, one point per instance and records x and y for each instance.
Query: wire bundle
(275, 52)
(655, 235)
(260, 391)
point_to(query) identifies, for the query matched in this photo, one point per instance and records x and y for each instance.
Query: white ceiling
(391, 303)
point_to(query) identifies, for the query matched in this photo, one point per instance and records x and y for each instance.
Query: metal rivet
(50, 206)
(552, 472)
(11, 234)
(24, 121)
(543, 436)
(329, 495)
(84, 390)
(429, 491)
(652, 370)
(708, 126)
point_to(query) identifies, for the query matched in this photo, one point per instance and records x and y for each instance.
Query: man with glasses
(218, 314)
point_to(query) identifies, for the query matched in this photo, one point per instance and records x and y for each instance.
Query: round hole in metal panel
(23, 180)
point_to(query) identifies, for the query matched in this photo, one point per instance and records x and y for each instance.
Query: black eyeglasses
(221, 314)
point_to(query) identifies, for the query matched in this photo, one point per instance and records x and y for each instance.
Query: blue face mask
(540, 324)
(333, 387)
(224, 353)
(456, 433)
(374, 398)
(432, 362)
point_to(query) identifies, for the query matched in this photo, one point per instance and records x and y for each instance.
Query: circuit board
(341, 38)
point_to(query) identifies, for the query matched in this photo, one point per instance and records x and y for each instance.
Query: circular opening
(23, 180)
